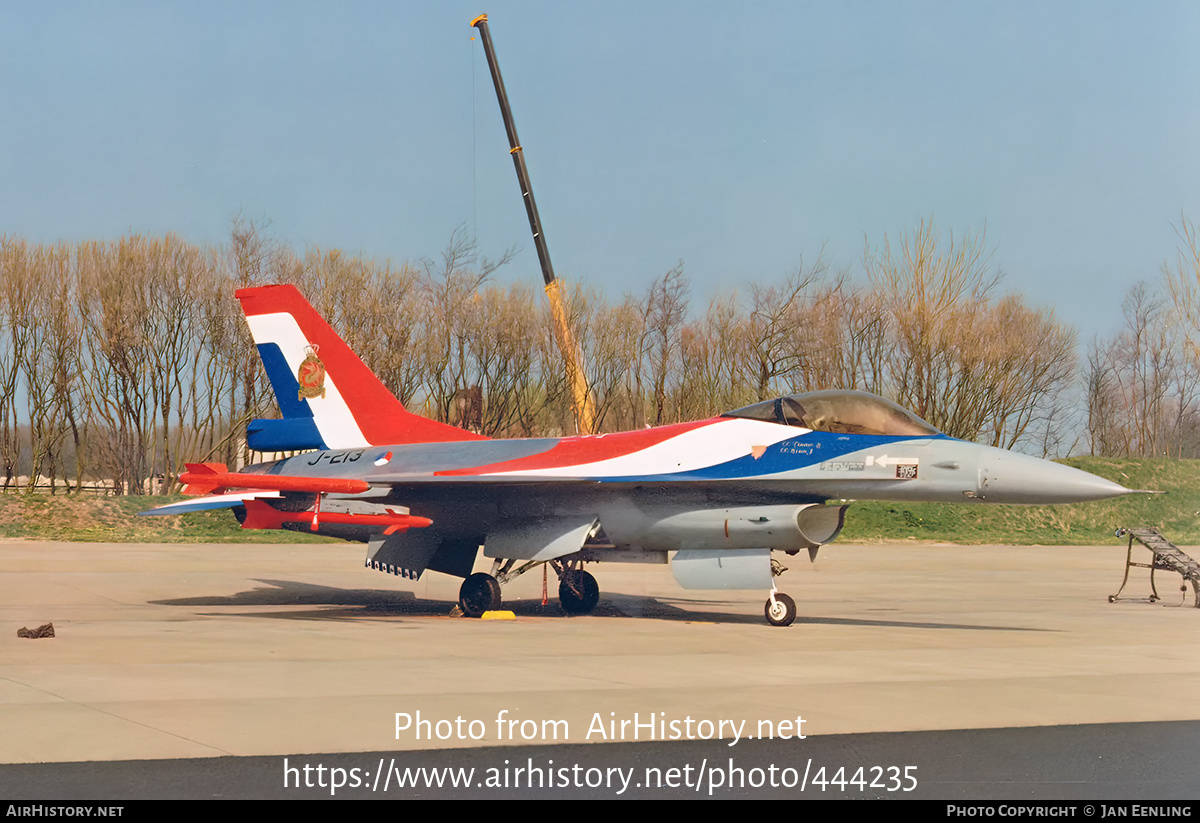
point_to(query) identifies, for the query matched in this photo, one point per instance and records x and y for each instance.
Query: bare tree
(774, 340)
(666, 309)
(924, 286)
(1142, 383)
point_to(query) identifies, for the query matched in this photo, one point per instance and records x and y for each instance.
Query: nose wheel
(780, 609)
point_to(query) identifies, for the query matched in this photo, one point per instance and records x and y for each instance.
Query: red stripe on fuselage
(574, 451)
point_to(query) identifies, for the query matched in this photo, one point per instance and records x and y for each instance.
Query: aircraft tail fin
(326, 394)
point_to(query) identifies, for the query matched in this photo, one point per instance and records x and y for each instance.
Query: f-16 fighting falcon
(715, 498)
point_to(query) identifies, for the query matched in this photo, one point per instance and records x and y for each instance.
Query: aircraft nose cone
(1008, 477)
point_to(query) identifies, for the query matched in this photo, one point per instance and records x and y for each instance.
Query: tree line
(123, 359)
(1143, 381)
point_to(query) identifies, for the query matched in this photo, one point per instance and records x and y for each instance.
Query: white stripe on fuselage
(334, 421)
(725, 440)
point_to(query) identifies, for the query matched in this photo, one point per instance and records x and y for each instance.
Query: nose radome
(1008, 477)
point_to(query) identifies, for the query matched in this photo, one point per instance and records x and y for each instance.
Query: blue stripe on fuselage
(787, 455)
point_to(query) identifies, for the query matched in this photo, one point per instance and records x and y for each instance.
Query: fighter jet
(715, 498)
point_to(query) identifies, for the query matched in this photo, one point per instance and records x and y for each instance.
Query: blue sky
(739, 138)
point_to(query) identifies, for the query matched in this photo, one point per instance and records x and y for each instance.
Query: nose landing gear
(780, 609)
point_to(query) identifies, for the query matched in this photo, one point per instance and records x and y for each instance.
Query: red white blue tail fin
(327, 395)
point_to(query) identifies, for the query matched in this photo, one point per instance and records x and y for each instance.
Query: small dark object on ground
(34, 634)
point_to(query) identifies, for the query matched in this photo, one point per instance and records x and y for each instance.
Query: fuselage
(714, 463)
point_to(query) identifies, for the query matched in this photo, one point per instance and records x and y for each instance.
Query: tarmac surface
(188, 652)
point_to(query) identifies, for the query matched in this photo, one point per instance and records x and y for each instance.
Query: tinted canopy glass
(838, 412)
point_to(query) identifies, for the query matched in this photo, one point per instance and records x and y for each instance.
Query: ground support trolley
(1166, 556)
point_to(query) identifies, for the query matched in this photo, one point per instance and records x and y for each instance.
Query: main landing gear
(578, 591)
(479, 593)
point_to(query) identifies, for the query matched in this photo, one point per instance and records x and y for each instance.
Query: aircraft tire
(479, 593)
(578, 592)
(781, 612)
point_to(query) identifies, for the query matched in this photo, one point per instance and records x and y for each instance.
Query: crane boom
(581, 398)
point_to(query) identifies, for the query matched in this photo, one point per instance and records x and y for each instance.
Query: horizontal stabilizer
(217, 501)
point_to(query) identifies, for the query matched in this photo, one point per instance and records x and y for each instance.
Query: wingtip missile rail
(208, 478)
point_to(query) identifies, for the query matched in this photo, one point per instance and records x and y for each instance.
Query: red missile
(260, 515)
(209, 478)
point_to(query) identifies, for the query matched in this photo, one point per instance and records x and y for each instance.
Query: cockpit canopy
(839, 412)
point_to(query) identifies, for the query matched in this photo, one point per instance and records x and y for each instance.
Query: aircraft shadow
(320, 602)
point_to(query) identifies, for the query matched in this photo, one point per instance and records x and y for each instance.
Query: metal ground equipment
(1166, 556)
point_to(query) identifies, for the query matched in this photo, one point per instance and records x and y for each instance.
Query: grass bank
(115, 520)
(1177, 513)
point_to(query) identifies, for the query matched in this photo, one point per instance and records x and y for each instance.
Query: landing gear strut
(479, 593)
